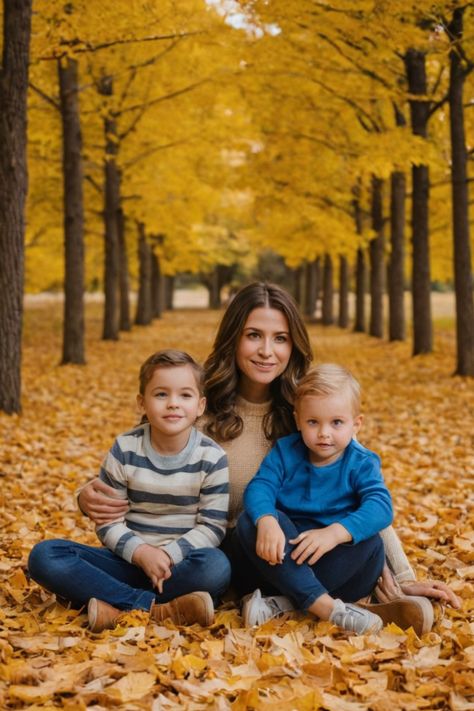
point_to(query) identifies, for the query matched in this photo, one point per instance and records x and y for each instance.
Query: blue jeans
(78, 572)
(348, 571)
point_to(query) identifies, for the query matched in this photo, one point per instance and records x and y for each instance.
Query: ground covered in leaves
(418, 417)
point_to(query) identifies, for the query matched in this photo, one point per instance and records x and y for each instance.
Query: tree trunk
(144, 314)
(73, 328)
(111, 211)
(376, 252)
(421, 280)
(360, 289)
(213, 285)
(318, 280)
(460, 203)
(299, 285)
(169, 291)
(157, 287)
(360, 270)
(125, 322)
(396, 267)
(311, 290)
(327, 310)
(13, 189)
(290, 281)
(343, 292)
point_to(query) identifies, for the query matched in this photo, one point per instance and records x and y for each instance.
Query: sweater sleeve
(396, 557)
(116, 536)
(261, 492)
(375, 508)
(211, 518)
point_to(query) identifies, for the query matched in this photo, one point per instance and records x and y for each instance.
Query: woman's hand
(270, 540)
(99, 501)
(387, 588)
(434, 589)
(154, 562)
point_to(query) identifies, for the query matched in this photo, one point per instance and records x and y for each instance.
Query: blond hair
(328, 379)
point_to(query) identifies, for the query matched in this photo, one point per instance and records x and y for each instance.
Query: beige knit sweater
(245, 454)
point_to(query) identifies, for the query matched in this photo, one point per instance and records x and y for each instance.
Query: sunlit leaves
(416, 416)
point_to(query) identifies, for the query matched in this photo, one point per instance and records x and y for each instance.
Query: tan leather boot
(101, 615)
(185, 610)
(408, 611)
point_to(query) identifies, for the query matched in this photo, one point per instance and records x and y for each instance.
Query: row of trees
(191, 137)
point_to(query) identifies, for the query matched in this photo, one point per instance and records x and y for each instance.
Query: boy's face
(327, 425)
(172, 400)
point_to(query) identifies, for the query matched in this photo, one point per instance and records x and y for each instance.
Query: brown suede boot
(408, 611)
(185, 610)
(102, 616)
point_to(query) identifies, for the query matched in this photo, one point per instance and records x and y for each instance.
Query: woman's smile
(263, 352)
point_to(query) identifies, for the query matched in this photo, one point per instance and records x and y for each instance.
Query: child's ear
(358, 423)
(140, 404)
(295, 415)
(201, 406)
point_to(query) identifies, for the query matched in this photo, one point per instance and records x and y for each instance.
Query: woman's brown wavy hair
(221, 376)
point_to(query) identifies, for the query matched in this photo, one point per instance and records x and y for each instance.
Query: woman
(260, 352)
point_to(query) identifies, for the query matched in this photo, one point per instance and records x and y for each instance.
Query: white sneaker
(354, 618)
(257, 609)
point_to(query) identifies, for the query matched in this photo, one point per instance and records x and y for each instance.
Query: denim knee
(212, 570)
(40, 560)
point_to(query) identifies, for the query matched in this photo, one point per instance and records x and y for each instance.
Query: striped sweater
(177, 502)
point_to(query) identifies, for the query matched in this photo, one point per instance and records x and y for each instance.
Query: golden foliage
(266, 124)
(418, 418)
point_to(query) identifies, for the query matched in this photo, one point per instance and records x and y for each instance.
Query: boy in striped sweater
(163, 554)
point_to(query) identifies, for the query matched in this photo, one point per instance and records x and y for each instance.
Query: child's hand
(154, 562)
(270, 540)
(313, 544)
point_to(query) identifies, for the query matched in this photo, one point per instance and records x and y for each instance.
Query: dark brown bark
(169, 292)
(213, 286)
(73, 328)
(300, 285)
(343, 319)
(311, 289)
(318, 287)
(111, 212)
(125, 321)
(292, 281)
(396, 265)
(376, 253)
(144, 313)
(421, 279)
(460, 206)
(327, 306)
(13, 189)
(360, 289)
(360, 268)
(157, 287)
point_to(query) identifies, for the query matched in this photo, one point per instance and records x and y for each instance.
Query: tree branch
(81, 47)
(45, 97)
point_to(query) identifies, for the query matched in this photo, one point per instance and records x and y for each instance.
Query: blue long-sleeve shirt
(350, 491)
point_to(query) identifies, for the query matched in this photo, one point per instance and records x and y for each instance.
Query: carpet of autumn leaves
(418, 417)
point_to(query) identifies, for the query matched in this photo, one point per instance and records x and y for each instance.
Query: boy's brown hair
(169, 358)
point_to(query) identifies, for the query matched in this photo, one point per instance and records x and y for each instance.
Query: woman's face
(263, 352)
